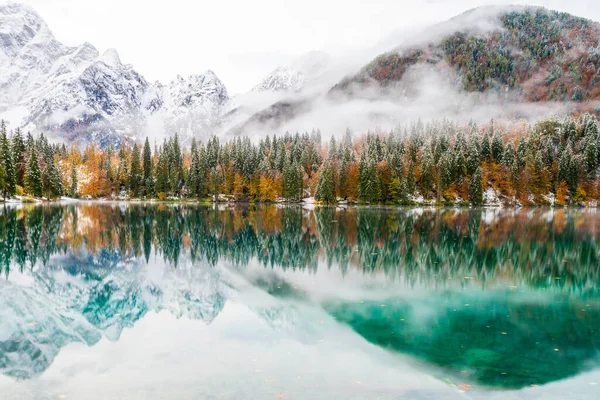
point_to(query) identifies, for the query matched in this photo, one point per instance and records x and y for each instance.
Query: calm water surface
(115, 301)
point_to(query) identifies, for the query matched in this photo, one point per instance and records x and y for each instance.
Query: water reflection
(495, 298)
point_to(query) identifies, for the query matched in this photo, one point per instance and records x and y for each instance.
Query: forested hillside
(531, 54)
(553, 162)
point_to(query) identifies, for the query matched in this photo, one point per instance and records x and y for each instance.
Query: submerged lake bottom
(167, 301)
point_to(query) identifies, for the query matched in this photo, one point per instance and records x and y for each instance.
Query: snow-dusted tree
(33, 175)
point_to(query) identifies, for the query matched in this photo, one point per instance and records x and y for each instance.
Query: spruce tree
(6, 158)
(148, 182)
(325, 190)
(19, 152)
(410, 179)
(497, 147)
(122, 170)
(426, 172)
(369, 189)
(486, 148)
(193, 178)
(472, 157)
(74, 183)
(476, 188)
(135, 175)
(52, 181)
(33, 175)
(162, 173)
(2, 179)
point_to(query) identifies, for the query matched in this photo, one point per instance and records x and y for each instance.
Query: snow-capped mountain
(281, 79)
(295, 76)
(82, 95)
(187, 106)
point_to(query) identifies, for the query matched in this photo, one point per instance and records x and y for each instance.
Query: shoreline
(304, 204)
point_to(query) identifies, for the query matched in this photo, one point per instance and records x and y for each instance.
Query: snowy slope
(81, 95)
(295, 76)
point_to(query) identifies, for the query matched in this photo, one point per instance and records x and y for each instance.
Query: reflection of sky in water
(195, 330)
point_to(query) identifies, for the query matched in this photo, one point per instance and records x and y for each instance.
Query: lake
(147, 301)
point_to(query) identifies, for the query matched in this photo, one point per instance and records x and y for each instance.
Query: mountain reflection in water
(493, 298)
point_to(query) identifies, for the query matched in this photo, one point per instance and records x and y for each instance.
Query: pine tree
(19, 152)
(162, 173)
(325, 190)
(122, 170)
(410, 179)
(472, 157)
(2, 178)
(486, 148)
(74, 181)
(33, 175)
(497, 148)
(193, 177)
(52, 181)
(135, 175)
(426, 180)
(9, 188)
(148, 181)
(369, 189)
(476, 188)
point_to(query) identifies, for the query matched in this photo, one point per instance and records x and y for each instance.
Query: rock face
(295, 76)
(83, 96)
(281, 79)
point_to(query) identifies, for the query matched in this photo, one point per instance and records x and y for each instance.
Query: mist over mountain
(490, 62)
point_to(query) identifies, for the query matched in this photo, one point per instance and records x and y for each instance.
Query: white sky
(242, 40)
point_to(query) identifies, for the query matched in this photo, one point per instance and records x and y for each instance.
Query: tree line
(554, 161)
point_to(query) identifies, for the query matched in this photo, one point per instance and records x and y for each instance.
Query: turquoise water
(168, 301)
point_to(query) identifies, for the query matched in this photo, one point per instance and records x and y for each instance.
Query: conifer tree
(122, 170)
(497, 147)
(74, 181)
(486, 149)
(325, 190)
(2, 180)
(476, 187)
(6, 158)
(193, 177)
(110, 176)
(135, 173)
(369, 188)
(19, 152)
(33, 175)
(426, 180)
(472, 157)
(148, 181)
(162, 173)
(52, 181)
(410, 179)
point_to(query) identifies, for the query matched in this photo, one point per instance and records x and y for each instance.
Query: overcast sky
(242, 40)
